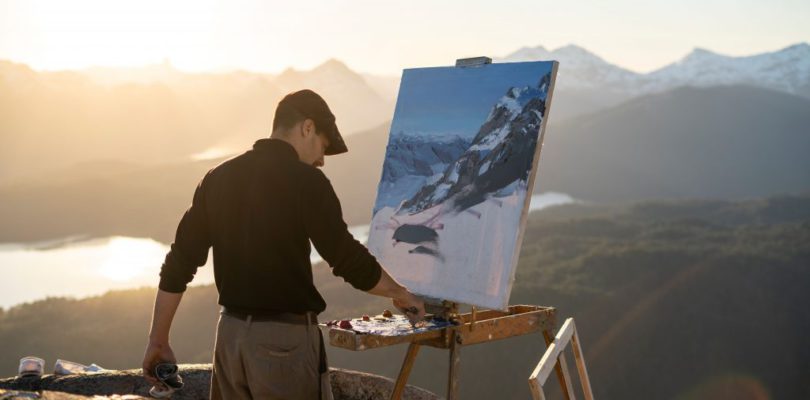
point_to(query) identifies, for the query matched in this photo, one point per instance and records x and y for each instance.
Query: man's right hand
(156, 352)
(411, 305)
(404, 300)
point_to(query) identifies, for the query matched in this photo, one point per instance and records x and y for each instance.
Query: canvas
(457, 178)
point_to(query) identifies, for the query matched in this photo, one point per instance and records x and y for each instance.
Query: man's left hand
(156, 352)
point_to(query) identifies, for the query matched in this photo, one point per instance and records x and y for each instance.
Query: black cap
(313, 106)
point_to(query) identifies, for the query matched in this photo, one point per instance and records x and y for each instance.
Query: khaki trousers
(267, 360)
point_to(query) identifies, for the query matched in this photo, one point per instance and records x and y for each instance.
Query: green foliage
(672, 299)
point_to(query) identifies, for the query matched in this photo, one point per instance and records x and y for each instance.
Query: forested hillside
(674, 300)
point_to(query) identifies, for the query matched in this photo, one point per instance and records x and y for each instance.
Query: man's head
(303, 119)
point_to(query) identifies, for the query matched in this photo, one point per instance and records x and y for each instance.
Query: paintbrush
(411, 311)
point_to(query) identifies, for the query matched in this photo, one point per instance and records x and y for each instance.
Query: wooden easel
(554, 354)
(475, 327)
(478, 326)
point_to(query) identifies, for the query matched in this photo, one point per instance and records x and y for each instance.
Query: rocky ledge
(130, 385)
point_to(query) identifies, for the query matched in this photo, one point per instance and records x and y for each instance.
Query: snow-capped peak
(528, 54)
(699, 54)
(580, 68)
(573, 52)
(570, 54)
(787, 69)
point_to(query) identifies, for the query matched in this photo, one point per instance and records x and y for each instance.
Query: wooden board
(489, 325)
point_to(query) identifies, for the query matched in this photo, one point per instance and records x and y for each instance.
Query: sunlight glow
(81, 268)
(126, 258)
(379, 37)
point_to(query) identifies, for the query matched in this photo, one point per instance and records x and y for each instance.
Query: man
(259, 211)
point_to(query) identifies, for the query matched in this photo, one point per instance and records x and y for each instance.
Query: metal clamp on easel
(473, 61)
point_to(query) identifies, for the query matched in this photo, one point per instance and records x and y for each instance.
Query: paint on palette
(396, 325)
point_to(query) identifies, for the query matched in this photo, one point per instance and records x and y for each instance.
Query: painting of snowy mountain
(457, 177)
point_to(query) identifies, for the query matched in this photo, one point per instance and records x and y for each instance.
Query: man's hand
(404, 300)
(156, 352)
(412, 306)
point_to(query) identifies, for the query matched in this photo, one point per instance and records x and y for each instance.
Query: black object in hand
(167, 373)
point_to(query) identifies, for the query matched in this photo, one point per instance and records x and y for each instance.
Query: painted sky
(383, 37)
(450, 100)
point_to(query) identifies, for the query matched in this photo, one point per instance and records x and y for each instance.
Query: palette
(396, 325)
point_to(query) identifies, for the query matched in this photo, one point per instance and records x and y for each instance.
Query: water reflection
(81, 267)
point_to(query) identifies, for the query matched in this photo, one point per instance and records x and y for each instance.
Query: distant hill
(718, 142)
(108, 197)
(100, 199)
(157, 114)
(355, 103)
(50, 120)
(673, 300)
(727, 142)
(722, 142)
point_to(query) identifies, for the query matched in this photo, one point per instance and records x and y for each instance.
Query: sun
(85, 33)
(127, 258)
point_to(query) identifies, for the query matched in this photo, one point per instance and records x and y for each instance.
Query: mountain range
(787, 70)
(713, 142)
(727, 142)
(77, 148)
(587, 83)
(51, 120)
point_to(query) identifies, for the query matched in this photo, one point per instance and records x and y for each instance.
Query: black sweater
(259, 211)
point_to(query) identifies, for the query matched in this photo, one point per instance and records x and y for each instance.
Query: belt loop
(249, 319)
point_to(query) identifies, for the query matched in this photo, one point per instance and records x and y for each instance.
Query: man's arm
(323, 219)
(188, 252)
(158, 350)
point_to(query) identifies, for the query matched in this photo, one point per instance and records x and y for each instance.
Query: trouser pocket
(283, 364)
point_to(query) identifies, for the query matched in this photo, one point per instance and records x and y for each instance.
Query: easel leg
(455, 366)
(407, 364)
(583, 371)
(561, 368)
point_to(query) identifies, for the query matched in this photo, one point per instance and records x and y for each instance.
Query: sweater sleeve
(190, 247)
(323, 219)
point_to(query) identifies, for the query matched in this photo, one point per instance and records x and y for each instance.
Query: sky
(383, 37)
(465, 100)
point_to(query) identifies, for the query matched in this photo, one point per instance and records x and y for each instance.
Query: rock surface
(130, 385)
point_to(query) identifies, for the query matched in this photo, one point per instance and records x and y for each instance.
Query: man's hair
(286, 117)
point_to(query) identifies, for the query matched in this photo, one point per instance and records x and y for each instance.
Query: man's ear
(307, 127)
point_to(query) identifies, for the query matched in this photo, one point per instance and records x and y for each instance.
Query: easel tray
(472, 328)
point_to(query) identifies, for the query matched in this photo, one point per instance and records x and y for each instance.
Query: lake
(81, 267)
